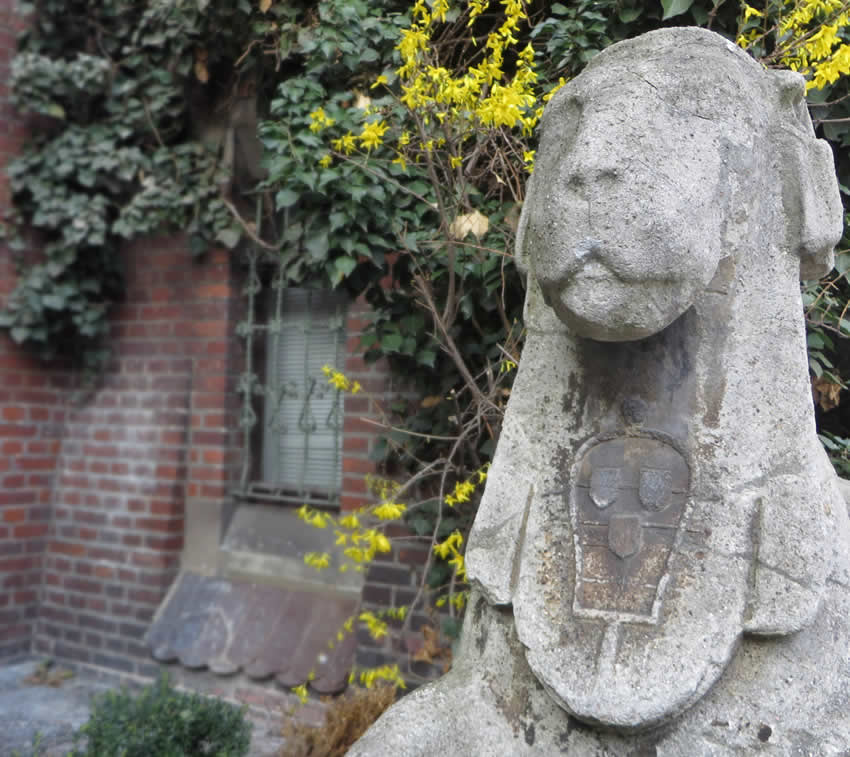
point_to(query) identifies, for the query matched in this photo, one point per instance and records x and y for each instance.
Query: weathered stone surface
(659, 498)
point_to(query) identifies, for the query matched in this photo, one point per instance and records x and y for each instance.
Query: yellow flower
(325, 161)
(750, 12)
(372, 134)
(319, 120)
(412, 41)
(338, 381)
(379, 81)
(548, 96)
(455, 160)
(346, 143)
(377, 627)
(389, 511)
(301, 692)
(316, 560)
(449, 545)
(460, 568)
(349, 521)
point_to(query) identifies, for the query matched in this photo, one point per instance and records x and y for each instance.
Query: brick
(357, 465)
(36, 463)
(98, 624)
(388, 574)
(145, 596)
(11, 448)
(167, 525)
(106, 553)
(82, 585)
(13, 414)
(30, 530)
(71, 652)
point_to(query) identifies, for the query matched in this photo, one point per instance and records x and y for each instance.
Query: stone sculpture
(661, 560)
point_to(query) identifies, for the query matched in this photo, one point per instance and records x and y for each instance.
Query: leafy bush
(163, 722)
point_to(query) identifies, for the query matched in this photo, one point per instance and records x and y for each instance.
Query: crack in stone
(668, 103)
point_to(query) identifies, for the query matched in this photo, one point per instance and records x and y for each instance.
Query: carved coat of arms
(626, 503)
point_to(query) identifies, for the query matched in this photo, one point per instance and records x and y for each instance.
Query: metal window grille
(302, 427)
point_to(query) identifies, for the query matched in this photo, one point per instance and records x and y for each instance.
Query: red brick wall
(151, 432)
(94, 495)
(358, 433)
(94, 476)
(31, 414)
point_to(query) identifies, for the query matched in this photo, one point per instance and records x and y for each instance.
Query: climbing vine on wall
(396, 137)
(109, 88)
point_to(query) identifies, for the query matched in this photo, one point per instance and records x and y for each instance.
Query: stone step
(266, 544)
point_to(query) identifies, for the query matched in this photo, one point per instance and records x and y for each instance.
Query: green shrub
(163, 722)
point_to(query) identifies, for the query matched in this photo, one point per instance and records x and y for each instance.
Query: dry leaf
(470, 223)
(826, 393)
(434, 399)
(202, 74)
(431, 648)
(265, 5)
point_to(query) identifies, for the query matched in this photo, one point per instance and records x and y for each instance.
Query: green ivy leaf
(627, 15)
(675, 8)
(344, 266)
(229, 237)
(426, 357)
(391, 342)
(286, 198)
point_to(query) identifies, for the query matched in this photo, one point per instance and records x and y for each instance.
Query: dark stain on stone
(529, 734)
(633, 410)
(477, 613)
(573, 400)
(481, 639)
(478, 610)
(514, 706)
(645, 751)
(564, 736)
(765, 732)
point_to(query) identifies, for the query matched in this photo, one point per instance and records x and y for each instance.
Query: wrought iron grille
(295, 455)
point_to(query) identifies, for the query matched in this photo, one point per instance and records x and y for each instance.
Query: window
(302, 419)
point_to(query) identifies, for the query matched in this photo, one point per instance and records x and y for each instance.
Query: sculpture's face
(629, 203)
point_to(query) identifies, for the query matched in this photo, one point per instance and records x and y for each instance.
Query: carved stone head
(658, 161)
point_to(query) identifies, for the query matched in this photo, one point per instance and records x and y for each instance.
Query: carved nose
(553, 277)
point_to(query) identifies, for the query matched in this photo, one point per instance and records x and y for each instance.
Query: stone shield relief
(626, 505)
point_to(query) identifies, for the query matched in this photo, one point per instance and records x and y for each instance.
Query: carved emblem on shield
(626, 503)
(656, 488)
(604, 483)
(624, 534)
